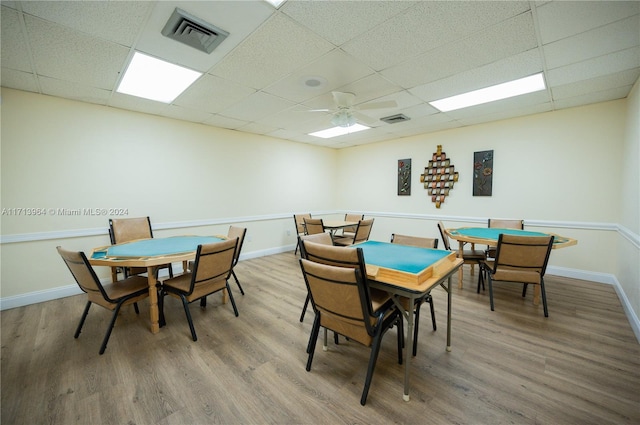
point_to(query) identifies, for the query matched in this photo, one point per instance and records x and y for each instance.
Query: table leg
(536, 294)
(460, 255)
(408, 347)
(153, 300)
(449, 298)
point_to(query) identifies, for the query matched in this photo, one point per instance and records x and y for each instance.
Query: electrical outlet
(288, 232)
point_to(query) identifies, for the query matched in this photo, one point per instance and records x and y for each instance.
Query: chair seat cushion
(182, 283)
(121, 289)
(520, 275)
(473, 254)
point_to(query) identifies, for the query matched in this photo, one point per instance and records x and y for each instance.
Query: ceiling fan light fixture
(343, 119)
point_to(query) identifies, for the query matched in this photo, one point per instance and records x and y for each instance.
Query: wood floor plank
(581, 365)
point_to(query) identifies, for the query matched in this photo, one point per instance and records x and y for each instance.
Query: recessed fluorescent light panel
(155, 79)
(275, 3)
(339, 131)
(513, 88)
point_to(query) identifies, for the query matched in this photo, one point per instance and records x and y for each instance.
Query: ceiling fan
(345, 114)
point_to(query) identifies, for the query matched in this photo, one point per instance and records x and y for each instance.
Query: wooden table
(489, 236)
(410, 272)
(333, 225)
(150, 253)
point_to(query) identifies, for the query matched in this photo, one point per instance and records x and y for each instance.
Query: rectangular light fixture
(339, 131)
(513, 88)
(155, 79)
(275, 3)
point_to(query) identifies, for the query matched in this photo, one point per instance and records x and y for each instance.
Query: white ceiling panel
(278, 62)
(561, 19)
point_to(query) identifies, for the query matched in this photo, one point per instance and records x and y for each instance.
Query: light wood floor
(579, 366)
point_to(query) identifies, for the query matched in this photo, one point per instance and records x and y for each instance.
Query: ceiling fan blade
(344, 100)
(378, 105)
(364, 118)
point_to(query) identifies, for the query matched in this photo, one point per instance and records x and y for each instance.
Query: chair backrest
(333, 255)
(506, 224)
(341, 298)
(128, 229)
(363, 230)
(299, 220)
(82, 272)
(354, 218)
(414, 241)
(443, 235)
(313, 226)
(213, 263)
(321, 238)
(522, 253)
(237, 232)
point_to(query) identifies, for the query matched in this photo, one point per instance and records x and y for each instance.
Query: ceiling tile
(71, 90)
(561, 19)
(66, 55)
(117, 21)
(593, 97)
(213, 94)
(510, 37)
(19, 80)
(15, 49)
(617, 36)
(598, 84)
(257, 106)
(335, 68)
(269, 53)
(340, 21)
(224, 122)
(596, 67)
(511, 68)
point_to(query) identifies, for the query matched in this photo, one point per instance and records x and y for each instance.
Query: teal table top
(409, 259)
(493, 233)
(155, 247)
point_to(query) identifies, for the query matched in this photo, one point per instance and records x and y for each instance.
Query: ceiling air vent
(193, 31)
(395, 118)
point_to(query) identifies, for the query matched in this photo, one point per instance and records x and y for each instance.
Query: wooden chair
(210, 273)
(362, 234)
(300, 229)
(123, 230)
(111, 296)
(342, 302)
(350, 231)
(313, 226)
(520, 259)
(421, 243)
(502, 224)
(470, 256)
(239, 233)
(321, 238)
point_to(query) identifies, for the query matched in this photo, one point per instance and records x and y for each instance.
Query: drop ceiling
(277, 65)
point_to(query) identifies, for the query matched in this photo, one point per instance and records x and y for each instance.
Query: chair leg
(170, 271)
(544, 297)
(416, 323)
(113, 322)
(524, 290)
(135, 307)
(490, 291)
(237, 282)
(375, 349)
(203, 302)
(400, 325)
(233, 301)
(433, 313)
(84, 316)
(161, 321)
(313, 338)
(185, 304)
(304, 309)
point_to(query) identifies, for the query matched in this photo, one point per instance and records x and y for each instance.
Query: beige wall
(559, 171)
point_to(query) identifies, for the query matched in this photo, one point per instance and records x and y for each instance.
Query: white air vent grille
(395, 118)
(193, 31)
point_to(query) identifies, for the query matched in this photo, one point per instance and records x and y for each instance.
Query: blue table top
(155, 247)
(404, 258)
